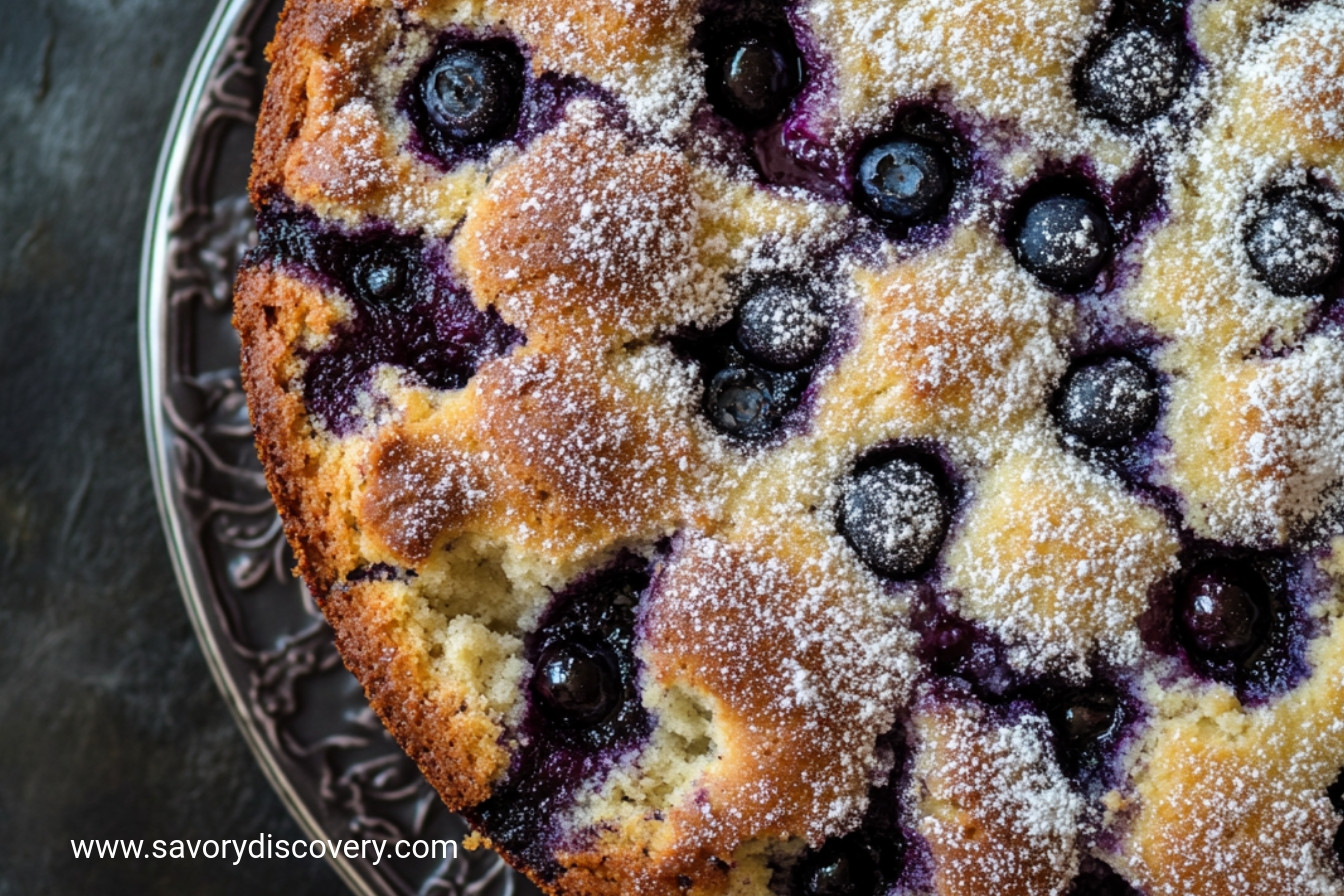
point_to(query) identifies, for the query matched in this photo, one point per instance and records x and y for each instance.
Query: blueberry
(1160, 15)
(472, 92)
(752, 79)
(843, 867)
(1104, 882)
(905, 181)
(1107, 403)
(1131, 77)
(579, 685)
(1065, 241)
(1294, 245)
(780, 325)
(895, 515)
(742, 402)
(1081, 718)
(1223, 612)
(380, 277)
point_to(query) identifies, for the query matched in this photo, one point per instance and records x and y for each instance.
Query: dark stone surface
(110, 725)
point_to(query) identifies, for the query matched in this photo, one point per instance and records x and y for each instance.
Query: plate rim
(152, 334)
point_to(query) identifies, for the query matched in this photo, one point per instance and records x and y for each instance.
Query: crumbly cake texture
(828, 446)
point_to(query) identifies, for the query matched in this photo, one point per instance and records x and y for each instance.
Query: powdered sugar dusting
(996, 810)
(970, 51)
(1302, 70)
(1059, 561)
(804, 668)
(960, 344)
(1256, 461)
(1234, 802)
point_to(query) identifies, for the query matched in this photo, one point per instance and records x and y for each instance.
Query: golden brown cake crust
(262, 319)
(457, 748)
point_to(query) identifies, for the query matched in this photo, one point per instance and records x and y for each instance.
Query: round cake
(830, 446)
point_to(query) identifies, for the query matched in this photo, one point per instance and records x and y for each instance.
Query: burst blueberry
(905, 181)
(1083, 717)
(1223, 612)
(895, 515)
(1132, 77)
(472, 92)
(579, 685)
(380, 277)
(752, 78)
(1109, 402)
(1294, 244)
(780, 325)
(1065, 241)
(842, 867)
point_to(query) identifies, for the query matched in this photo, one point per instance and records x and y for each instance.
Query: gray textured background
(109, 723)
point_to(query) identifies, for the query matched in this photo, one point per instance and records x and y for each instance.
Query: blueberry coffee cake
(828, 446)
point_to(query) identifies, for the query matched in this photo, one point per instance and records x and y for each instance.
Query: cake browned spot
(802, 447)
(581, 234)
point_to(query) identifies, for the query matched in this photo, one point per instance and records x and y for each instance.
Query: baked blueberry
(742, 402)
(1131, 77)
(578, 685)
(1101, 882)
(1223, 612)
(1163, 16)
(752, 78)
(1109, 402)
(1065, 241)
(895, 515)
(472, 91)
(843, 867)
(1086, 718)
(905, 181)
(1294, 245)
(1083, 717)
(380, 277)
(780, 325)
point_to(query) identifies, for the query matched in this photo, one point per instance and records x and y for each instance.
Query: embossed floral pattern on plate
(304, 716)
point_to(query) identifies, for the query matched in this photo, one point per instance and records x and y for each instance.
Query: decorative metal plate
(269, 649)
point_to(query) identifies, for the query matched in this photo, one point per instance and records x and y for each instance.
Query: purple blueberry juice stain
(1239, 617)
(407, 311)
(792, 153)
(961, 653)
(878, 854)
(579, 717)
(778, 140)
(380, 572)
(1092, 723)
(1097, 879)
(1090, 720)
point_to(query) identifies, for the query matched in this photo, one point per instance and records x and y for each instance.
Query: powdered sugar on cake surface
(996, 810)
(777, 648)
(1059, 561)
(803, 667)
